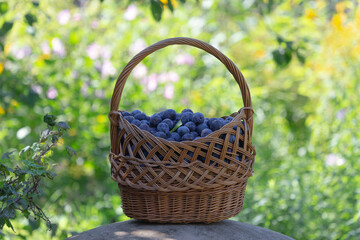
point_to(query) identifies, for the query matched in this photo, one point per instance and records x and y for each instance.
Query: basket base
(212, 205)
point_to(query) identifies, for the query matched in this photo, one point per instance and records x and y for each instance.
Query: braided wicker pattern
(180, 182)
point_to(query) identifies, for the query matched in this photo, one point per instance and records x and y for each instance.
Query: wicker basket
(203, 180)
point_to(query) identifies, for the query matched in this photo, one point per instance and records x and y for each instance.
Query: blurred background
(300, 59)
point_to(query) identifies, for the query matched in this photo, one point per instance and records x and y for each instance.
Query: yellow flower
(44, 57)
(7, 48)
(2, 111)
(259, 54)
(101, 118)
(310, 13)
(337, 21)
(173, 2)
(72, 132)
(340, 7)
(60, 142)
(14, 103)
(1, 68)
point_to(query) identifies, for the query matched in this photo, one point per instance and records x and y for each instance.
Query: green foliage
(300, 59)
(20, 185)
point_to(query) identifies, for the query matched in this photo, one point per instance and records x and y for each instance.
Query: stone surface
(136, 230)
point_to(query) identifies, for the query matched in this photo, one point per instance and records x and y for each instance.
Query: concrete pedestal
(136, 230)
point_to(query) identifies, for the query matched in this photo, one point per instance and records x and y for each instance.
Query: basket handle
(120, 83)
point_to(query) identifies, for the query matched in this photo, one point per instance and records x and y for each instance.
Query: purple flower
(169, 91)
(105, 53)
(140, 71)
(58, 47)
(333, 159)
(163, 77)
(84, 89)
(173, 76)
(63, 17)
(341, 114)
(137, 46)
(51, 93)
(22, 52)
(94, 24)
(168, 77)
(107, 69)
(93, 51)
(99, 93)
(131, 13)
(150, 82)
(77, 17)
(37, 88)
(184, 59)
(45, 48)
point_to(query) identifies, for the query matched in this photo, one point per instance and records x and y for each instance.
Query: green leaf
(30, 19)
(70, 151)
(6, 155)
(54, 138)
(24, 150)
(8, 224)
(182, 1)
(26, 213)
(4, 7)
(282, 57)
(6, 27)
(44, 135)
(35, 3)
(50, 120)
(171, 7)
(156, 10)
(63, 125)
(300, 56)
(178, 124)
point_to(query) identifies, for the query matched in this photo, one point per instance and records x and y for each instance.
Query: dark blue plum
(241, 131)
(198, 118)
(169, 113)
(148, 118)
(136, 122)
(152, 130)
(206, 120)
(168, 122)
(191, 126)
(232, 139)
(163, 127)
(140, 116)
(186, 117)
(145, 122)
(178, 117)
(171, 139)
(187, 137)
(216, 125)
(186, 110)
(183, 130)
(144, 127)
(205, 132)
(175, 136)
(201, 127)
(194, 134)
(133, 113)
(211, 120)
(229, 119)
(129, 118)
(155, 119)
(160, 134)
(125, 113)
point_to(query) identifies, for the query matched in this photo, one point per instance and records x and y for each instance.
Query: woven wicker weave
(182, 182)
